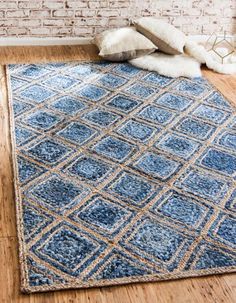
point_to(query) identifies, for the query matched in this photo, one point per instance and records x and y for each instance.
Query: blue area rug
(121, 175)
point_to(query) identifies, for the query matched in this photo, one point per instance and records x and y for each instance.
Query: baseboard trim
(31, 41)
(47, 41)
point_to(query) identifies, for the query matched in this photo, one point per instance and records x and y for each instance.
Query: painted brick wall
(71, 18)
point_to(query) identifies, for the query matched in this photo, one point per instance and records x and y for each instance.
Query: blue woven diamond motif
(158, 166)
(203, 185)
(231, 203)
(121, 175)
(159, 236)
(101, 118)
(195, 128)
(92, 92)
(123, 103)
(178, 146)
(68, 248)
(34, 220)
(20, 107)
(68, 105)
(121, 268)
(227, 139)
(56, 194)
(191, 88)
(174, 102)
(17, 83)
(136, 130)
(42, 120)
(24, 135)
(83, 71)
(60, 251)
(119, 265)
(36, 93)
(105, 216)
(154, 78)
(39, 275)
(141, 91)
(210, 114)
(127, 70)
(112, 81)
(77, 133)
(61, 82)
(48, 152)
(181, 208)
(33, 71)
(114, 148)
(156, 115)
(89, 168)
(232, 124)
(216, 99)
(28, 170)
(219, 161)
(159, 242)
(208, 257)
(132, 189)
(223, 229)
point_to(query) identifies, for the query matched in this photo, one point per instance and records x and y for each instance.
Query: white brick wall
(71, 18)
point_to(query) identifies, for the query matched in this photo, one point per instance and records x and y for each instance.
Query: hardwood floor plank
(7, 205)
(217, 288)
(226, 84)
(35, 54)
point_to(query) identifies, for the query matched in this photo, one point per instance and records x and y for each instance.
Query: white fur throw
(199, 53)
(184, 65)
(169, 65)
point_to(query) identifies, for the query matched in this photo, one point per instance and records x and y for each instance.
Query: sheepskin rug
(204, 57)
(169, 65)
(186, 65)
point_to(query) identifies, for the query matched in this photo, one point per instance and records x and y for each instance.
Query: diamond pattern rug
(121, 175)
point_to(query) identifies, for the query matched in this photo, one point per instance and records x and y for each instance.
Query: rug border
(24, 286)
(18, 204)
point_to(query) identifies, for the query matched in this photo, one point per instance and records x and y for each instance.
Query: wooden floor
(213, 289)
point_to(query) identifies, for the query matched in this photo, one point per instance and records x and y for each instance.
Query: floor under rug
(121, 175)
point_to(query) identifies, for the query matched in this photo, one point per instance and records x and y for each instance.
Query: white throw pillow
(123, 44)
(165, 36)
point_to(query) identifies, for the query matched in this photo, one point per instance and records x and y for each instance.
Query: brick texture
(81, 18)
